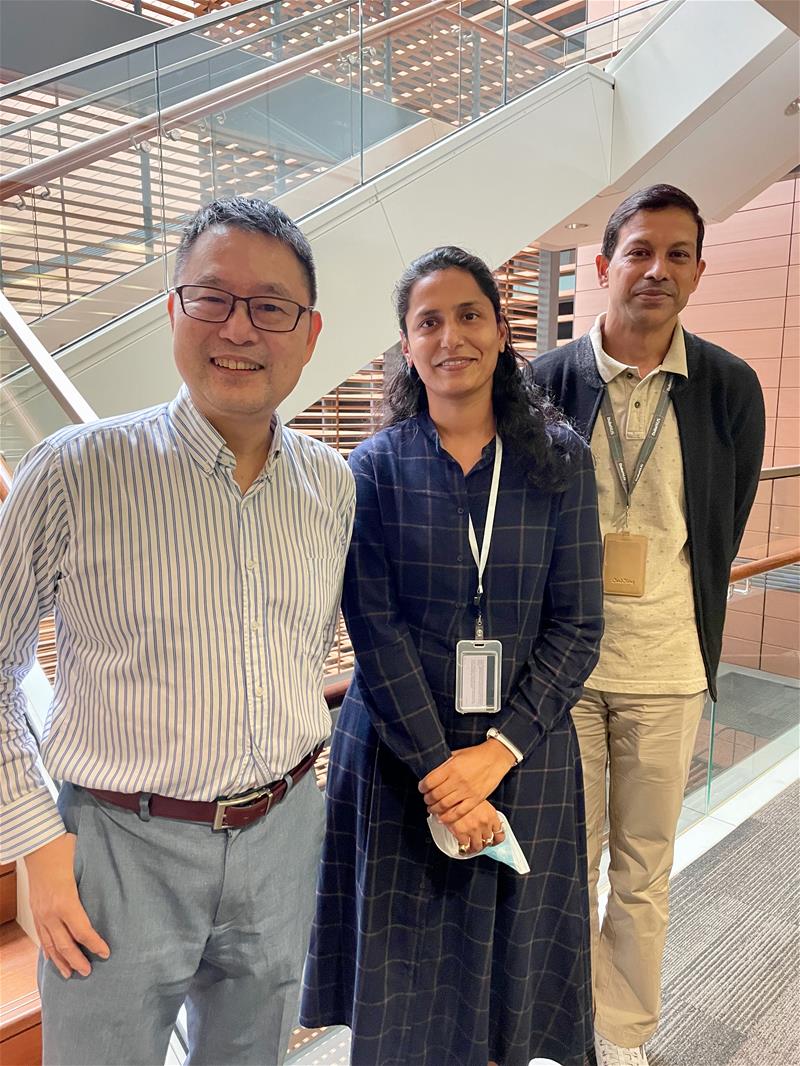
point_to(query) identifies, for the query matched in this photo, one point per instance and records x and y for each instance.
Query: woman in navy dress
(432, 961)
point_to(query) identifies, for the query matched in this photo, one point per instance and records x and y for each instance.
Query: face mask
(509, 852)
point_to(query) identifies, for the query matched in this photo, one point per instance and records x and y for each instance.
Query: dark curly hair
(525, 417)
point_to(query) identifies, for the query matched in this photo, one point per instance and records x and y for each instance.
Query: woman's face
(453, 338)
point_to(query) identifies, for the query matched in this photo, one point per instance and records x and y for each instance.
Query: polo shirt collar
(609, 368)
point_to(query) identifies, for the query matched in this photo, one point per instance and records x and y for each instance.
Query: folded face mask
(508, 852)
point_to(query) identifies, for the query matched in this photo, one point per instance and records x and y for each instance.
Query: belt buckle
(240, 801)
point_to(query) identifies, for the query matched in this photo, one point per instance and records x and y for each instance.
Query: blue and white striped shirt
(192, 621)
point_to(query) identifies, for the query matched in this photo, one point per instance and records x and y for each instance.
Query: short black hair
(254, 216)
(653, 198)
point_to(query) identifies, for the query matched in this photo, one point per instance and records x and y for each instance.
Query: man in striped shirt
(193, 555)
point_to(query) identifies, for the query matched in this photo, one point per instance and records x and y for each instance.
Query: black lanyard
(612, 432)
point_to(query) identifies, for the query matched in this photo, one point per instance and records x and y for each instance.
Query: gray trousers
(219, 920)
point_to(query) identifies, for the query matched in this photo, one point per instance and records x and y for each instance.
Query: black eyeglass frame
(301, 308)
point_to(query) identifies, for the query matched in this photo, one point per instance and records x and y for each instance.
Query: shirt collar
(205, 444)
(610, 368)
(426, 424)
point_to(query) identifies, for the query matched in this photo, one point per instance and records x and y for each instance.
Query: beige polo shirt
(650, 643)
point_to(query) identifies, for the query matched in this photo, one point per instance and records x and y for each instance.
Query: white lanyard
(480, 560)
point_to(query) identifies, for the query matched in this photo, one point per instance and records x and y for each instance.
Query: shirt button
(251, 564)
(259, 691)
(629, 376)
(459, 558)
(461, 510)
(637, 404)
(255, 625)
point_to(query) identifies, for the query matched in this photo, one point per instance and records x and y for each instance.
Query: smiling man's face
(654, 269)
(237, 375)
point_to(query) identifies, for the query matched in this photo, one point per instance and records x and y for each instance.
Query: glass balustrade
(101, 166)
(755, 721)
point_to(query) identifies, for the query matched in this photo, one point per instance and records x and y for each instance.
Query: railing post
(476, 74)
(387, 56)
(361, 90)
(505, 51)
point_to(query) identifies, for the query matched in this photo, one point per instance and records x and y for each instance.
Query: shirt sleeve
(33, 535)
(567, 646)
(346, 505)
(390, 675)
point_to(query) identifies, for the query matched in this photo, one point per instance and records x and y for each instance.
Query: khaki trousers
(646, 743)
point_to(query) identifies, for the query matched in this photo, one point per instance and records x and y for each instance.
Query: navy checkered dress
(433, 961)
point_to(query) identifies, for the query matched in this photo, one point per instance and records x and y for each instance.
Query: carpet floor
(731, 987)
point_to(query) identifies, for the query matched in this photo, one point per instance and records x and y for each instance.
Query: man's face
(236, 374)
(654, 269)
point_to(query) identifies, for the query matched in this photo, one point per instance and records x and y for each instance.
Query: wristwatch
(495, 734)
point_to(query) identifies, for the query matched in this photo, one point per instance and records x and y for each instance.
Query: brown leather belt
(225, 813)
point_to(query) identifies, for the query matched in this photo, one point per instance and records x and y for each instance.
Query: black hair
(525, 417)
(252, 215)
(653, 198)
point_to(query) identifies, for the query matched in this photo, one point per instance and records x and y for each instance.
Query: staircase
(20, 1012)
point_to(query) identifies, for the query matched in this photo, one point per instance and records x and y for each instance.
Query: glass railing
(755, 721)
(102, 163)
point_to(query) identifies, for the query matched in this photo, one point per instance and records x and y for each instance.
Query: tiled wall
(748, 301)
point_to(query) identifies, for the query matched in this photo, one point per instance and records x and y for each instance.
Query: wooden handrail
(334, 692)
(224, 97)
(764, 566)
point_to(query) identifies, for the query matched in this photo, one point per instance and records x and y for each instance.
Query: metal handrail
(5, 479)
(234, 93)
(617, 16)
(125, 48)
(519, 13)
(772, 473)
(230, 95)
(66, 395)
(142, 79)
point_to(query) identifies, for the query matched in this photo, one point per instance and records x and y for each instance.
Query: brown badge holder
(624, 564)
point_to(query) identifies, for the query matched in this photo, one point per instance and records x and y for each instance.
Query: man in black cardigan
(676, 426)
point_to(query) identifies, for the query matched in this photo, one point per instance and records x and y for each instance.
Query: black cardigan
(720, 414)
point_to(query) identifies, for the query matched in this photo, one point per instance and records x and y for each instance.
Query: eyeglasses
(207, 304)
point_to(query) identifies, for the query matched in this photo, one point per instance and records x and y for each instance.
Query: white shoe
(609, 1054)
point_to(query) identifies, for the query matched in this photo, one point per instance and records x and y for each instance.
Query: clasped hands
(456, 792)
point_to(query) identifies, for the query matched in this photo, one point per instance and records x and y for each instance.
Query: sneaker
(609, 1054)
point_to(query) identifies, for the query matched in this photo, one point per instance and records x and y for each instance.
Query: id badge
(624, 564)
(478, 665)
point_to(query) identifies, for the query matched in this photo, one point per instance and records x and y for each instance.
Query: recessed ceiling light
(576, 225)
(793, 108)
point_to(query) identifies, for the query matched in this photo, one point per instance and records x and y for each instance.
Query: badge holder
(624, 564)
(478, 665)
(479, 661)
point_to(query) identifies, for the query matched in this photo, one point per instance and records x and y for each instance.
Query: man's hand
(456, 787)
(481, 828)
(61, 921)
